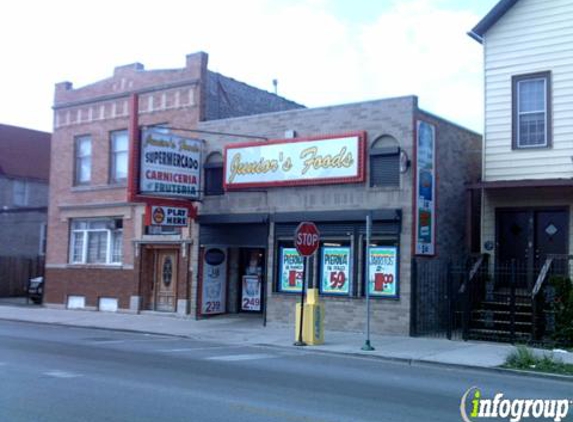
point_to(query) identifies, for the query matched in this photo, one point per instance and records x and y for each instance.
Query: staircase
(492, 318)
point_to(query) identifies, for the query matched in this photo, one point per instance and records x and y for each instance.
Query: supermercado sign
(333, 159)
(170, 165)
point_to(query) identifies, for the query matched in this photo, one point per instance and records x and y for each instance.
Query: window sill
(384, 188)
(91, 188)
(96, 266)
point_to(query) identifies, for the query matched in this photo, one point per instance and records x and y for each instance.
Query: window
(118, 151)
(83, 165)
(531, 110)
(96, 241)
(385, 162)
(214, 174)
(381, 267)
(43, 238)
(336, 268)
(20, 191)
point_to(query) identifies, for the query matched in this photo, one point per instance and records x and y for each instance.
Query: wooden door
(166, 280)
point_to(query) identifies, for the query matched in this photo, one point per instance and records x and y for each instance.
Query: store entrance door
(251, 270)
(165, 280)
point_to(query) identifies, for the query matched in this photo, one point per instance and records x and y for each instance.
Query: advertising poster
(425, 190)
(383, 271)
(335, 270)
(251, 293)
(214, 281)
(336, 159)
(169, 216)
(291, 270)
(170, 165)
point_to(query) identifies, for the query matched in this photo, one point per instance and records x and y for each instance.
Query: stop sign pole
(306, 241)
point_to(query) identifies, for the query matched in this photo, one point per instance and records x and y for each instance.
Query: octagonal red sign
(306, 238)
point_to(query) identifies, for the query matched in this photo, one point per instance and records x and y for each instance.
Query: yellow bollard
(313, 324)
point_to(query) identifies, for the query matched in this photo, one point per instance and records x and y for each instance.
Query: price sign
(291, 270)
(383, 271)
(335, 268)
(251, 295)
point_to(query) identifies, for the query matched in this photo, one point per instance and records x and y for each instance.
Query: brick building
(24, 173)
(262, 165)
(101, 254)
(406, 168)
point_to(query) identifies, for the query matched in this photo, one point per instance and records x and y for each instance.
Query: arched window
(385, 162)
(213, 174)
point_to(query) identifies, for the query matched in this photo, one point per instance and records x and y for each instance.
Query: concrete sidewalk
(248, 330)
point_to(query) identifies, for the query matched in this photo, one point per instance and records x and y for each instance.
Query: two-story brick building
(101, 253)
(528, 146)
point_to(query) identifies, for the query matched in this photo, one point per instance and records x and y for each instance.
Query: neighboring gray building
(406, 168)
(24, 174)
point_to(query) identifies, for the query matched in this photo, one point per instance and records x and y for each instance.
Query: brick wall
(93, 284)
(227, 97)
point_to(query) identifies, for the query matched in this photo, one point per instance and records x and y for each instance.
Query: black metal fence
(513, 301)
(15, 272)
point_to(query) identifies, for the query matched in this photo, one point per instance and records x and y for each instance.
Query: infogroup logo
(473, 407)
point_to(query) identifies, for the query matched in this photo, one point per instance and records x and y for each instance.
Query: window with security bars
(96, 241)
(531, 111)
(384, 166)
(214, 174)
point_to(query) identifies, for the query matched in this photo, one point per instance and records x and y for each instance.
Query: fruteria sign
(169, 216)
(170, 165)
(425, 189)
(291, 162)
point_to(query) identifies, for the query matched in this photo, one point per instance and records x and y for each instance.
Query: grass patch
(525, 359)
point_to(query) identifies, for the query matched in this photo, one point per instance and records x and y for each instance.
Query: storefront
(334, 167)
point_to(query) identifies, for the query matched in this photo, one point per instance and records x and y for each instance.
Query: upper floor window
(214, 174)
(384, 157)
(531, 110)
(21, 193)
(83, 160)
(96, 241)
(119, 152)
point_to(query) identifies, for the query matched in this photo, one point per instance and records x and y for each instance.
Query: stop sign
(306, 238)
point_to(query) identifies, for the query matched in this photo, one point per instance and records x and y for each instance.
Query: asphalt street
(54, 373)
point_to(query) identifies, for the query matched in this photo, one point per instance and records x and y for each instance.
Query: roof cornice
(491, 19)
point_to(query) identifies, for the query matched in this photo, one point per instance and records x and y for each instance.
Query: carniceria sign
(291, 162)
(170, 165)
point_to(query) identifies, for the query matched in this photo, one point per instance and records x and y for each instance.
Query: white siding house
(532, 36)
(527, 186)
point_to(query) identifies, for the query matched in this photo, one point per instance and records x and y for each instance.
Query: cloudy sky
(322, 52)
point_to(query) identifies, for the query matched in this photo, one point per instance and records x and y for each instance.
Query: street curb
(93, 327)
(394, 359)
(431, 363)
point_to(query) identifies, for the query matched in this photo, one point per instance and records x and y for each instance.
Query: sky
(322, 52)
